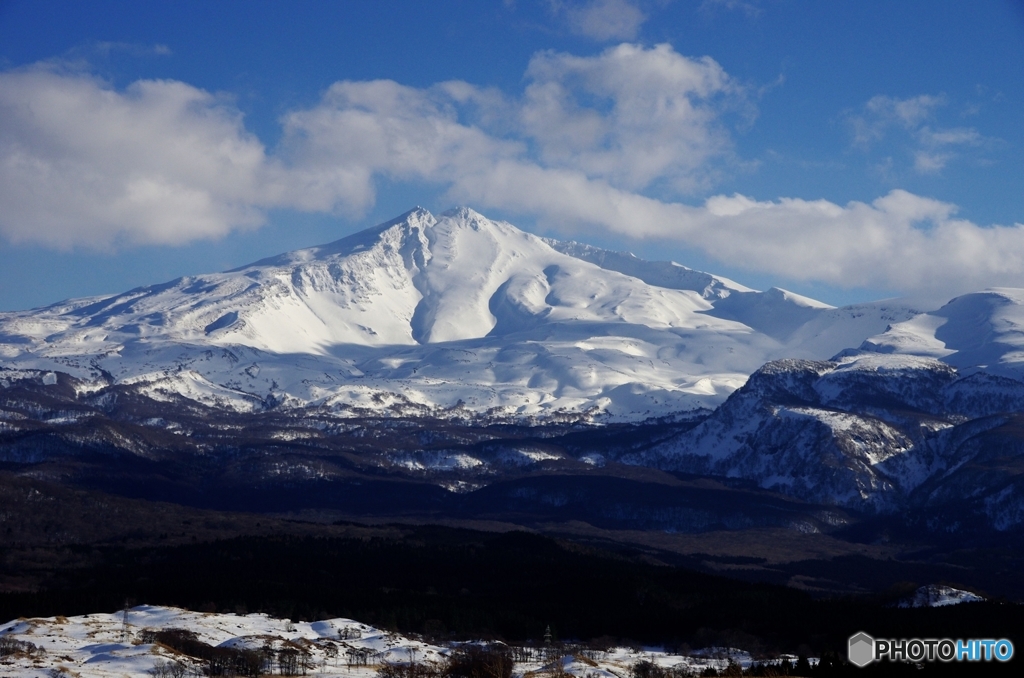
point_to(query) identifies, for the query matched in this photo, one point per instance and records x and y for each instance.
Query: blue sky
(846, 150)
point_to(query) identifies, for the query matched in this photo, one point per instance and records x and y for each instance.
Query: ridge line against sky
(678, 130)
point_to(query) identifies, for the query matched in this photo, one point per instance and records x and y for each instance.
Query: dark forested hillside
(511, 585)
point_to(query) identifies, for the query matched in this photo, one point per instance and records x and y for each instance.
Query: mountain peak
(462, 212)
(428, 310)
(417, 216)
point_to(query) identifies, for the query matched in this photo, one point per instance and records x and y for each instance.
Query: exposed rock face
(886, 432)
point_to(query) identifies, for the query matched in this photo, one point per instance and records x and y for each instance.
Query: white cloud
(652, 115)
(575, 153)
(932, 147)
(606, 19)
(881, 113)
(911, 112)
(361, 130)
(930, 163)
(751, 9)
(950, 137)
(899, 241)
(83, 164)
(630, 116)
(585, 145)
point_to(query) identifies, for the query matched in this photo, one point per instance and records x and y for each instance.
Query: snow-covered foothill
(934, 595)
(115, 644)
(118, 644)
(866, 430)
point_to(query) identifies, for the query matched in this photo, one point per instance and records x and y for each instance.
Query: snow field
(109, 644)
(426, 312)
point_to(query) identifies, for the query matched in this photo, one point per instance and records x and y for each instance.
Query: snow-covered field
(115, 644)
(934, 595)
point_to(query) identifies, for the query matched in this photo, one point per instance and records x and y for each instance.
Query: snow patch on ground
(934, 595)
(109, 645)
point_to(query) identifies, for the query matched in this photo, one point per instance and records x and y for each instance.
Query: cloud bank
(624, 141)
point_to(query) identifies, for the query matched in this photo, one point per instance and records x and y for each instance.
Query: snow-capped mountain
(980, 331)
(422, 313)
(460, 317)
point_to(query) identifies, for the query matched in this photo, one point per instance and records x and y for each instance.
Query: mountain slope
(983, 330)
(423, 313)
(877, 432)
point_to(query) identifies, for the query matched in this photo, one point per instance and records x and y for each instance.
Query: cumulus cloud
(588, 143)
(589, 134)
(652, 115)
(930, 163)
(900, 240)
(605, 19)
(83, 164)
(362, 130)
(579, 172)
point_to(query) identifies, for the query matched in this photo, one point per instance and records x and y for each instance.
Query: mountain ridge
(441, 311)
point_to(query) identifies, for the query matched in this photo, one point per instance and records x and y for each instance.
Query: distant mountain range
(880, 408)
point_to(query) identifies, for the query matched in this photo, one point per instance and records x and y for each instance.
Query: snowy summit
(426, 313)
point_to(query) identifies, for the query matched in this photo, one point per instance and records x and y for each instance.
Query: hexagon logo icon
(861, 649)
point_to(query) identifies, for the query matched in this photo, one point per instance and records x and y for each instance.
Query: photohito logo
(863, 649)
